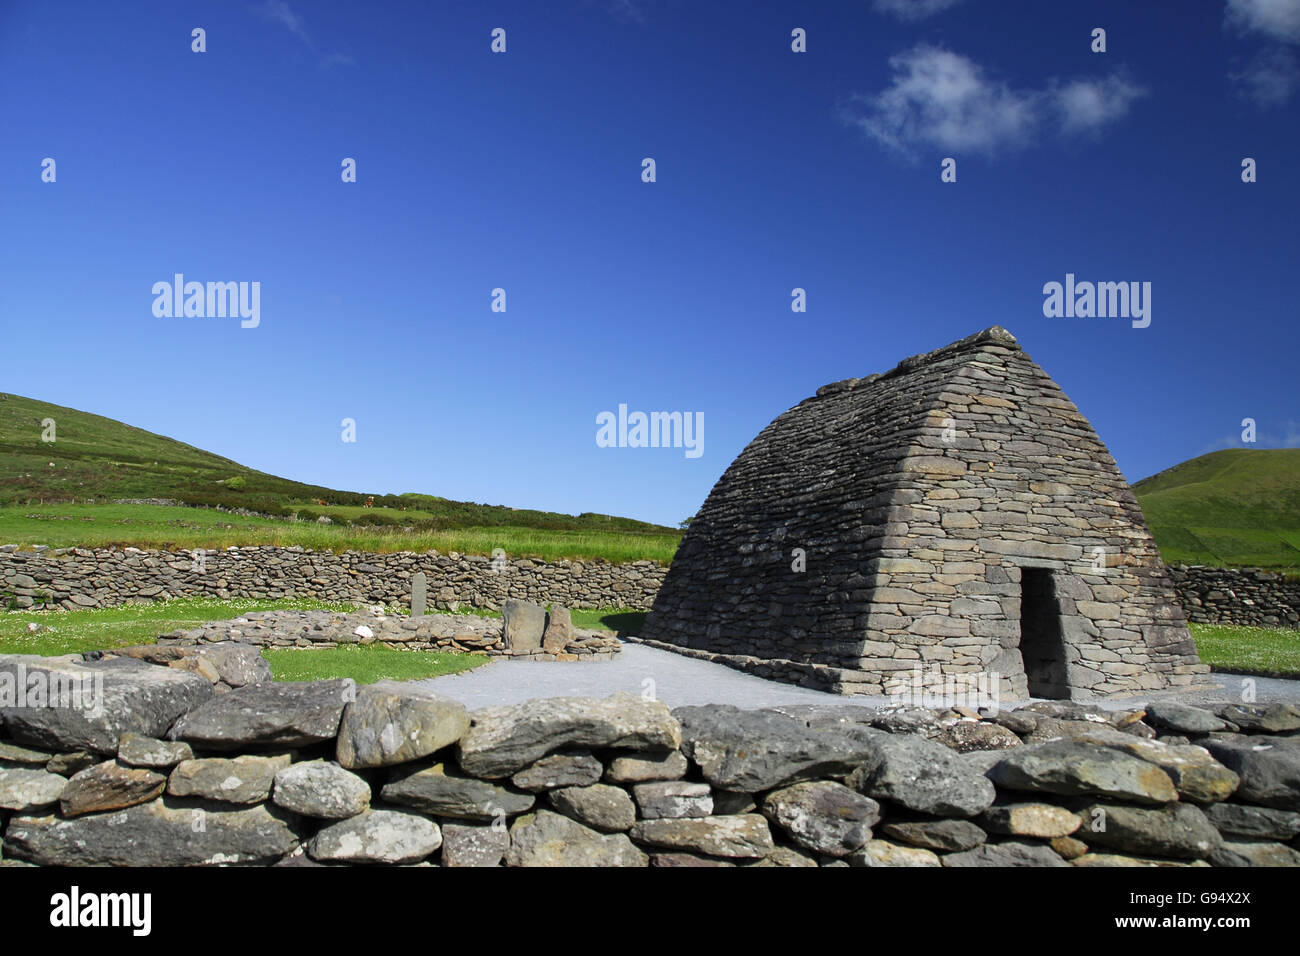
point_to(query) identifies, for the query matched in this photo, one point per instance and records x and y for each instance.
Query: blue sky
(523, 171)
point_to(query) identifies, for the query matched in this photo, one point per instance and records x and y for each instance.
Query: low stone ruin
(166, 770)
(525, 631)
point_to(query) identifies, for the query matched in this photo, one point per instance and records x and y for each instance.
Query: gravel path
(681, 681)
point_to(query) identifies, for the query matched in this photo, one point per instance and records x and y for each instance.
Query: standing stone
(523, 624)
(419, 593)
(559, 630)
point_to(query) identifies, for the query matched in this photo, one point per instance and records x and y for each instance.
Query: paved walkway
(681, 681)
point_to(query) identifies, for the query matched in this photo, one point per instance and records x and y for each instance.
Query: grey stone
(133, 696)
(26, 789)
(65, 765)
(1263, 718)
(1072, 768)
(559, 630)
(163, 832)
(945, 836)
(471, 844)
(822, 816)
(643, 768)
(1259, 823)
(1182, 718)
(419, 593)
(523, 624)
(1008, 853)
(551, 839)
(237, 665)
(921, 775)
(321, 790)
(1254, 853)
(886, 854)
(753, 750)
(1269, 768)
(600, 806)
(14, 754)
(243, 779)
(377, 836)
(109, 786)
(1042, 820)
(443, 791)
(671, 799)
(578, 769)
(279, 715)
(1178, 830)
(733, 837)
(391, 723)
(137, 750)
(504, 740)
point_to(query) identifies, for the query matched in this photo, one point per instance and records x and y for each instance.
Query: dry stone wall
(100, 577)
(174, 769)
(1245, 596)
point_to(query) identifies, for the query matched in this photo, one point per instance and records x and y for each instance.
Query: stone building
(956, 514)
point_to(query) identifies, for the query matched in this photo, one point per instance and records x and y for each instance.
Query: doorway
(1042, 646)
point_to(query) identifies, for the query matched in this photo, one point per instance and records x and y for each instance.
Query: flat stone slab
(104, 700)
(163, 832)
(504, 740)
(292, 714)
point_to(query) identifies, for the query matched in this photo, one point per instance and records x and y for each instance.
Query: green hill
(1239, 507)
(98, 459)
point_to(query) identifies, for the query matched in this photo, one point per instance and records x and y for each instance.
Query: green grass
(365, 665)
(95, 629)
(153, 526)
(1239, 507)
(45, 487)
(1273, 652)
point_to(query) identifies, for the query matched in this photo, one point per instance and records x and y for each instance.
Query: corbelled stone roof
(894, 512)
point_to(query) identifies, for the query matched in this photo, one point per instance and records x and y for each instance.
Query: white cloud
(1089, 105)
(1270, 78)
(1279, 19)
(280, 12)
(940, 98)
(914, 9)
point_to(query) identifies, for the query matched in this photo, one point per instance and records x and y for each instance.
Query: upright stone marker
(419, 593)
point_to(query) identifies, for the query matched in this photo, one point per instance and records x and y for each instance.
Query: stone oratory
(956, 514)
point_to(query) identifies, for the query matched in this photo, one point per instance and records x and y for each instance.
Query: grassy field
(1272, 652)
(62, 492)
(1239, 507)
(94, 629)
(365, 665)
(154, 526)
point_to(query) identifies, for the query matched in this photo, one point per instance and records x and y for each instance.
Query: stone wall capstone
(102, 577)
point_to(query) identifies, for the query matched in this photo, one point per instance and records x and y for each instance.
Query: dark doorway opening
(1042, 647)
